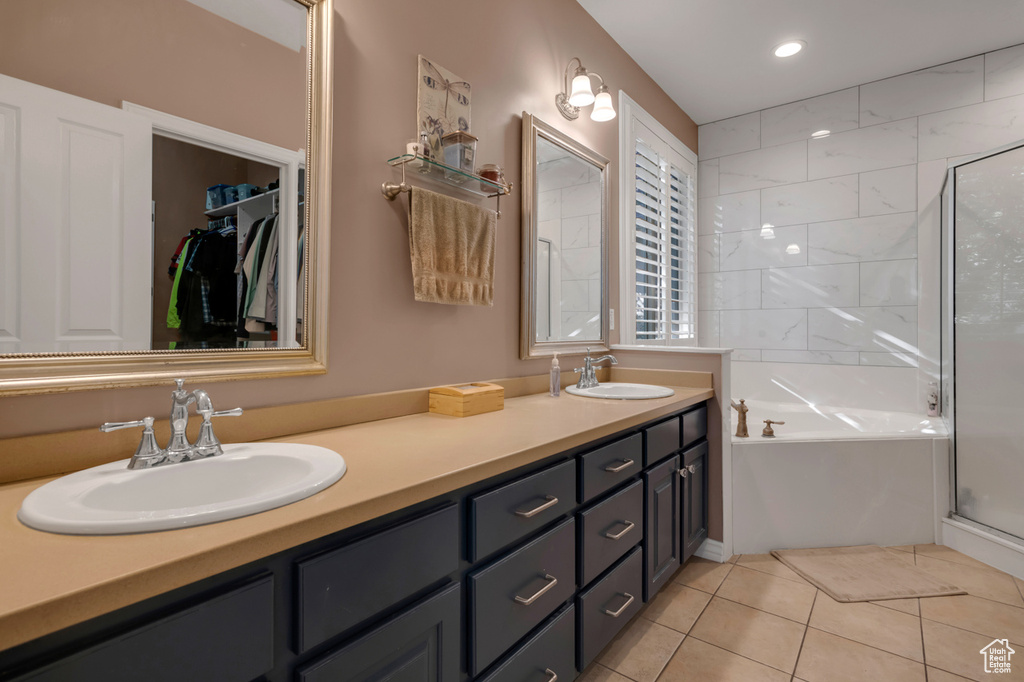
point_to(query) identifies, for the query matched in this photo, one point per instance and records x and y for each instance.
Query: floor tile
(958, 651)
(886, 629)
(733, 559)
(641, 650)
(828, 658)
(909, 606)
(698, 661)
(906, 557)
(937, 675)
(981, 616)
(766, 563)
(599, 673)
(902, 548)
(768, 593)
(1020, 586)
(977, 581)
(677, 607)
(757, 635)
(949, 554)
(703, 575)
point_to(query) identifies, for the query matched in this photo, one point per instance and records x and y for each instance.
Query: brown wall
(514, 54)
(168, 55)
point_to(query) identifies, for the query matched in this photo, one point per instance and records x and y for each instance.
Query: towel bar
(447, 174)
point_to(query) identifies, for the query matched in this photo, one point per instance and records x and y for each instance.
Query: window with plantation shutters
(659, 263)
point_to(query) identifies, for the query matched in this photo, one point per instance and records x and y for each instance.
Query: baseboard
(712, 550)
(985, 547)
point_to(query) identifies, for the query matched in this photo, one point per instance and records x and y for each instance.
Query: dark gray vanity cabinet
(525, 577)
(694, 475)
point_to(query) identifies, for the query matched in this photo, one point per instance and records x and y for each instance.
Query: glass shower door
(988, 339)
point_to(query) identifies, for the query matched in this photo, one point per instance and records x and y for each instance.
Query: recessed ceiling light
(821, 133)
(788, 49)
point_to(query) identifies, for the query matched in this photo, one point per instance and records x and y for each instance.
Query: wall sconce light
(581, 95)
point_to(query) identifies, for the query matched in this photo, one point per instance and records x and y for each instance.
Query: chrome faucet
(149, 454)
(588, 377)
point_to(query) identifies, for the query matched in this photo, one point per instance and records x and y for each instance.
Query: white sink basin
(622, 391)
(248, 478)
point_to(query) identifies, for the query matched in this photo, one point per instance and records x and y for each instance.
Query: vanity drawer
(500, 517)
(610, 465)
(662, 440)
(513, 595)
(422, 642)
(343, 587)
(547, 655)
(228, 638)
(607, 606)
(609, 529)
(695, 425)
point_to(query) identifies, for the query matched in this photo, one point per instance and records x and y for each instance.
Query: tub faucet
(588, 377)
(768, 431)
(741, 420)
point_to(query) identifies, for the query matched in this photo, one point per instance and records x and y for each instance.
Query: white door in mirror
(622, 391)
(248, 478)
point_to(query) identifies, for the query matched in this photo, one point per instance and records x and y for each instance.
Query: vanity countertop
(48, 581)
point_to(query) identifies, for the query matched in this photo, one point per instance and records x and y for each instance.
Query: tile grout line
(807, 626)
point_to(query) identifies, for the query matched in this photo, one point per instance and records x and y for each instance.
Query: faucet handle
(148, 453)
(236, 412)
(207, 445)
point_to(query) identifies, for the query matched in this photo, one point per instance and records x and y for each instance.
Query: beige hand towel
(452, 248)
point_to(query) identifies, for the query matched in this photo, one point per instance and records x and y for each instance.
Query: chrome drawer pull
(526, 601)
(552, 675)
(551, 502)
(615, 536)
(626, 463)
(616, 614)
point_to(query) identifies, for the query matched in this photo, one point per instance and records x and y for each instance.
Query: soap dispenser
(556, 377)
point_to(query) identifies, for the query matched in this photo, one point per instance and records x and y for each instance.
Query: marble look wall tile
(745, 355)
(550, 230)
(729, 136)
(595, 229)
(595, 295)
(781, 165)
(889, 359)
(549, 205)
(836, 111)
(941, 87)
(883, 329)
(864, 149)
(576, 232)
(812, 286)
(759, 329)
(971, 130)
(708, 328)
(811, 357)
(807, 202)
(581, 263)
(575, 295)
(729, 290)
(893, 190)
(1004, 73)
(707, 178)
(891, 282)
(884, 237)
(581, 326)
(564, 172)
(707, 253)
(750, 251)
(730, 213)
(581, 200)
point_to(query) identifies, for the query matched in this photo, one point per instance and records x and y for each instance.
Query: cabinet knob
(692, 468)
(683, 472)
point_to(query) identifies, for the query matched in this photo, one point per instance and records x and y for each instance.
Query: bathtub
(835, 476)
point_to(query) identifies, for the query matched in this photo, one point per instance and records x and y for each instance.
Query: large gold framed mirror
(565, 244)
(164, 191)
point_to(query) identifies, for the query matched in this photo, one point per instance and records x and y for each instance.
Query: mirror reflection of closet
(564, 289)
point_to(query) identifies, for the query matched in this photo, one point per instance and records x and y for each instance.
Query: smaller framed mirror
(565, 244)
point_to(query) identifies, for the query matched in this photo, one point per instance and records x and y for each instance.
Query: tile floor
(755, 620)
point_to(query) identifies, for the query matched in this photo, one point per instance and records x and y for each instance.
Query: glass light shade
(767, 232)
(581, 94)
(603, 109)
(793, 249)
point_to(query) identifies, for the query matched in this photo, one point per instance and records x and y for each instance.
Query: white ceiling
(283, 21)
(713, 57)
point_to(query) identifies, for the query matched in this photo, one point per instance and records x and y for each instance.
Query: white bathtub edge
(985, 547)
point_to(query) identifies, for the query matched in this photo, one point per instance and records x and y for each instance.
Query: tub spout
(741, 421)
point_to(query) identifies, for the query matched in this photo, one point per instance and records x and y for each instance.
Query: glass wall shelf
(451, 175)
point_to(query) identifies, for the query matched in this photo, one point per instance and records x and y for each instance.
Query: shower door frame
(947, 342)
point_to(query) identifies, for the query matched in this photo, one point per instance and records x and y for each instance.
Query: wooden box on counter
(466, 400)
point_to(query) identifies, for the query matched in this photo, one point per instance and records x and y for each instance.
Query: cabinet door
(662, 555)
(421, 644)
(694, 476)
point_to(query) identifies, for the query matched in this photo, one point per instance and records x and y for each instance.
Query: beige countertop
(49, 581)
